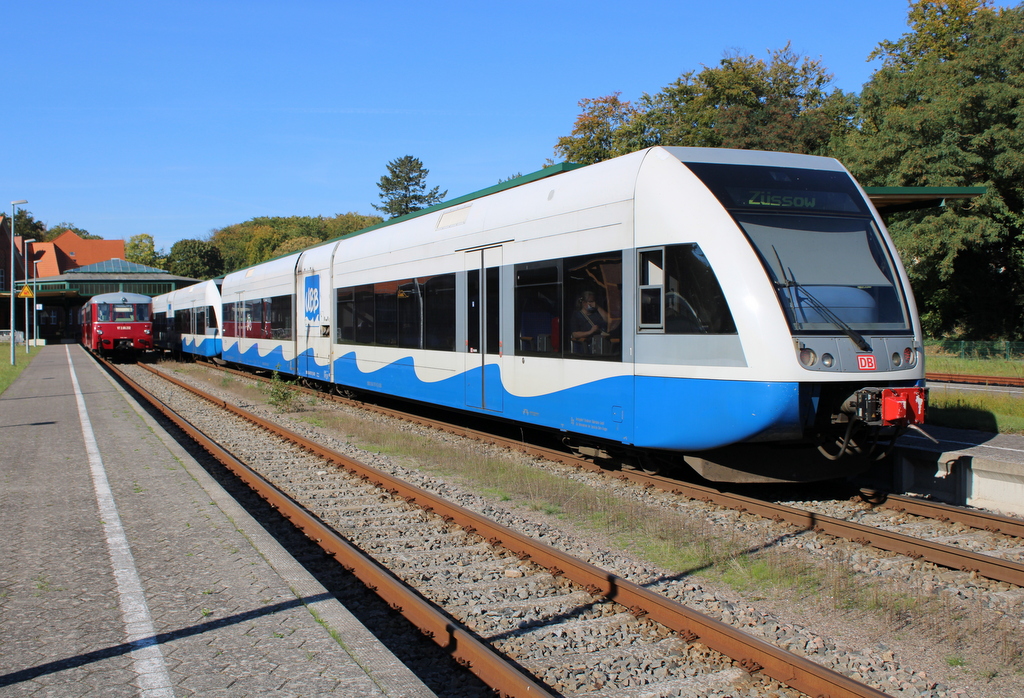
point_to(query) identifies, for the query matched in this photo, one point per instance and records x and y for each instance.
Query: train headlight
(896, 360)
(827, 360)
(808, 357)
(909, 356)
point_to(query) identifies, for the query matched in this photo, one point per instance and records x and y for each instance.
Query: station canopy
(896, 199)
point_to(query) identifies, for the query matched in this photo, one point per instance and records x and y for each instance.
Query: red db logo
(866, 362)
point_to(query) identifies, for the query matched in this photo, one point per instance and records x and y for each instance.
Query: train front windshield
(818, 241)
(122, 312)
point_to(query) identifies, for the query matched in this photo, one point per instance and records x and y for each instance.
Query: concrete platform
(126, 570)
(966, 467)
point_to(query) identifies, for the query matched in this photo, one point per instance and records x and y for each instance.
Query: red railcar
(117, 322)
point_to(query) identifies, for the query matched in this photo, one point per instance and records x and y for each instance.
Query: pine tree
(404, 190)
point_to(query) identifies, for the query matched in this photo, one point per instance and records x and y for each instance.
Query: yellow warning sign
(26, 292)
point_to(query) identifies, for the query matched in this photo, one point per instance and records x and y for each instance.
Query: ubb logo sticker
(866, 362)
(313, 298)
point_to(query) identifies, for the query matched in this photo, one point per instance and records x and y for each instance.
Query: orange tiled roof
(46, 254)
(80, 253)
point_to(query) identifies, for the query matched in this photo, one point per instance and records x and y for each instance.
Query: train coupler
(890, 407)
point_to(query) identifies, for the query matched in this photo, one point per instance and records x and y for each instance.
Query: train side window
(651, 296)
(345, 311)
(183, 321)
(281, 325)
(593, 306)
(410, 314)
(200, 317)
(355, 314)
(694, 302)
(679, 293)
(251, 322)
(385, 313)
(227, 312)
(439, 312)
(538, 308)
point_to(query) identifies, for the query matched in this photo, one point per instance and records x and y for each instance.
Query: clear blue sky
(176, 118)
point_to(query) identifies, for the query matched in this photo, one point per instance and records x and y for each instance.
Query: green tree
(196, 259)
(607, 127)
(56, 231)
(27, 227)
(940, 31)
(783, 103)
(141, 249)
(260, 239)
(294, 245)
(404, 189)
(945, 110)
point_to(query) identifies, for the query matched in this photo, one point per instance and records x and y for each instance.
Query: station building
(62, 274)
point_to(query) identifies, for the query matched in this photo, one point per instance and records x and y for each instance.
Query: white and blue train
(188, 320)
(672, 304)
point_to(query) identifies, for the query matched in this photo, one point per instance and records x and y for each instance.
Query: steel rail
(465, 646)
(937, 553)
(975, 380)
(751, 653)
(982, 520)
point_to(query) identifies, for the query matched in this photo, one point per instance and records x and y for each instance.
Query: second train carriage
(680, 300)
(117, 322)
(187, 320)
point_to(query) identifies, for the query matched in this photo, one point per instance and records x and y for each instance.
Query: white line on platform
(147, 658)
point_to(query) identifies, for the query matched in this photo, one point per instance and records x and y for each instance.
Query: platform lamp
(14, 212)
(24, 255)
(35, 302)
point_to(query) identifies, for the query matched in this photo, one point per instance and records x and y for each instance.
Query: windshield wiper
(823, 310)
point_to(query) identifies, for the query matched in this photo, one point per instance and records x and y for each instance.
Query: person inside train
(591, 327)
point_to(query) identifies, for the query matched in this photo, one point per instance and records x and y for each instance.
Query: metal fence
(998, 350)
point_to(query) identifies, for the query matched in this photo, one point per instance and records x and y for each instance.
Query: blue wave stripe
(652, 412)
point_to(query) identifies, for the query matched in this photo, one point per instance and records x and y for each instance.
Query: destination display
(781, 188)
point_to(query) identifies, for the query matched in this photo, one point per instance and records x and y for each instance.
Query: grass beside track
(959, 409)
(8, 373)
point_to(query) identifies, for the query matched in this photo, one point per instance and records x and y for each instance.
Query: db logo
(866, 362)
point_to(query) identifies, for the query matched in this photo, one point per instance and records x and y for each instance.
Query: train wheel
(872, 496)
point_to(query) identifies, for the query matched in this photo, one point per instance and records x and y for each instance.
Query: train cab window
(593, 306)
(102, 312)
(679, 293)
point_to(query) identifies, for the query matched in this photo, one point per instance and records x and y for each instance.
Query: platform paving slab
(229, 610)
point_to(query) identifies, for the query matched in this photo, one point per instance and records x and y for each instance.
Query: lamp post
(35, 302)
(14, 212)
(24, 254)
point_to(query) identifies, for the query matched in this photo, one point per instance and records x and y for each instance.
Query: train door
(314, 340)
(483, 326)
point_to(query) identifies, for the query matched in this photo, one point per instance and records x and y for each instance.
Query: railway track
(525, 617)
(881, 535)
(975, 380)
